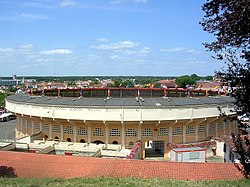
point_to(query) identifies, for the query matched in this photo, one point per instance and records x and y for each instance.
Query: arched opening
(115, 142)
(154, 149)
(98, 142)
(131, 144)
(46, 137)
(82, 141)
(56, 139)
(68, 140)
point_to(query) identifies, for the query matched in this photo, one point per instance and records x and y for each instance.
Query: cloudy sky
(103, 37)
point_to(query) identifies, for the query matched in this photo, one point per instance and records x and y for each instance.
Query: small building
(189, 154)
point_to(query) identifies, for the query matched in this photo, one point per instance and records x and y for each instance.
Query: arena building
(157, 118)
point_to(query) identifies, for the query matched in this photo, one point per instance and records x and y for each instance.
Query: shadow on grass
(6, 171)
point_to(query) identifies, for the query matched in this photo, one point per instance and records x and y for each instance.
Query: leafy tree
(229, 22)
(184, 80)
(242, 146)
(2, 99)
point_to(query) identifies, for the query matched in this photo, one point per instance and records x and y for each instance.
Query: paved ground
(7, 130)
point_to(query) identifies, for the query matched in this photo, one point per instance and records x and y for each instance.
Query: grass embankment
(109, 182)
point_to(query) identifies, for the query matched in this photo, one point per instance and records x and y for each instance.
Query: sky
(104, 38)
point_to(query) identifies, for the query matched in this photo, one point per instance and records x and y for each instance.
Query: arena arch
(68, 140)
(82, 141)
(98, 142)
(115, 142)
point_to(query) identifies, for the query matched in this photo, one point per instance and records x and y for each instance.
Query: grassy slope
(109, 182)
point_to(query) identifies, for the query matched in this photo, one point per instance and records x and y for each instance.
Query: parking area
(7, 130)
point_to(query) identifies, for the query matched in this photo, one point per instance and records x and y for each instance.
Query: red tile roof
(38, 165)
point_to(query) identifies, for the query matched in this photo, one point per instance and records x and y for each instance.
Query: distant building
(10, 82)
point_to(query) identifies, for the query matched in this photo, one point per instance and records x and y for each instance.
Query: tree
(229, 22)
(242, 146)
(184, 80)
(2, 99)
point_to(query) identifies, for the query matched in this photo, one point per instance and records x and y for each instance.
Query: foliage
(229, 22)
(185, 80)
(2, 99)
(124, 83)
(109, 182)
(243, 149)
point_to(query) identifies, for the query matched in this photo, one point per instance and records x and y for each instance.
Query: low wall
(29, 165)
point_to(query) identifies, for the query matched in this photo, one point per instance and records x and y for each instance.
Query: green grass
(116, 182)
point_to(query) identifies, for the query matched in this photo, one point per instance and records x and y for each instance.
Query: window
(29, 124)
(201, 128)
(36, 125)
(68, 130)
(194, 155)
(190, 129)
(115, 132)
(147, 132)
(131, 143)
(177, 130)
(56, 128)
(212, 128)
(131, 132)
(82, 131)
(220, 125)
(45, 127)
(163, 131)
(98, 132)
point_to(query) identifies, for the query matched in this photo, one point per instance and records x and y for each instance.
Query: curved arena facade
(123, 120)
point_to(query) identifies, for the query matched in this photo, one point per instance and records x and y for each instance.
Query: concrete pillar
(41, 126)
(21, 125)
(196, 132)
(75, 132)
(50, 131)
(89, 131)
(139, 130)
(184, 133)
(33, 129)
(106, 132)
(207, 129)
(170, 134)
(62, 132)
(123, 135)
(216, 128)
(26, 126)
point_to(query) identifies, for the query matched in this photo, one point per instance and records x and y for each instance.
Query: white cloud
(125, 1)
(57, 52)
(116, 46)
(141, 1)
(23, 17)
(144, 50)
(101, 39)
(65, 3)
(6, 50)
(114, 57)
(26, 46)
(176, 49)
